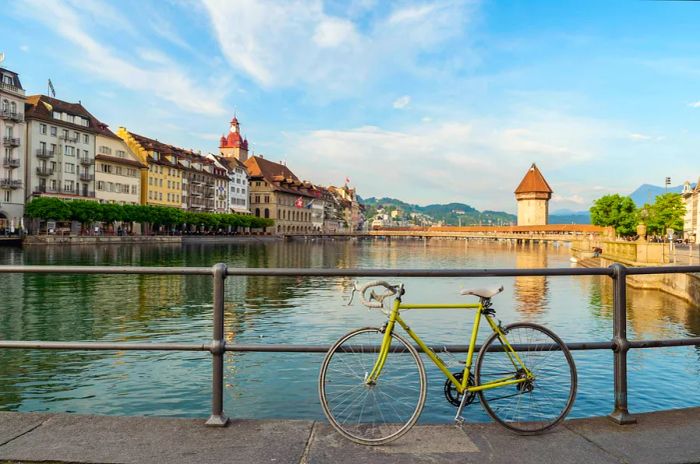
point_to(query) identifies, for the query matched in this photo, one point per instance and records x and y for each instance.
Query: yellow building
(161, 183)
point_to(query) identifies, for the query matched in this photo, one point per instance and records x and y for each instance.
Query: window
(121, 153)
(42, 128)
(105, 150)
(7, 195)
(65, 134)
(118, 170)
(160, 195)
(86, 139)
(56, 115)
(54, 131)
(70, 168)
(133, 190)
(100, 185)
(267, 198)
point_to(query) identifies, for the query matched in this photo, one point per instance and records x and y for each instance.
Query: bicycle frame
(463, 385)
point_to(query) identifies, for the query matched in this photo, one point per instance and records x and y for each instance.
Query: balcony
(6, 183)
(86, 161)
(44, 171)
(11, 115)
(46, 189)
(10, 141)
(44, 154)
(10, 162)
(68, 138)
(197, 193)
(86, 177)
(11, 88)
(209, 193)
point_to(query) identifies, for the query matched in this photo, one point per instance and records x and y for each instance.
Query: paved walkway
(664, 437)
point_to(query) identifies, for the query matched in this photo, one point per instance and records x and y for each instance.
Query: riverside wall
(640, 254)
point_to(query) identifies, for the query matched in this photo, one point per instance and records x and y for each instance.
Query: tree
(48, 208)
(85, 211)
(666, 212)
(616, 211)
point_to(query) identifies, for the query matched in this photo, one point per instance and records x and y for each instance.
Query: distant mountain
(647, 193)
(451, 213)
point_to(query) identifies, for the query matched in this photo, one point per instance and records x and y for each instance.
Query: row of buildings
(56, 148)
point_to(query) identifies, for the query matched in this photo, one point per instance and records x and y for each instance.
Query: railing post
(217, 418)
(621, 345)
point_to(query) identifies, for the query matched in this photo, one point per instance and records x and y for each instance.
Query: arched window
(13, 107)
(257, 212)
(267, 213)
(5, 105)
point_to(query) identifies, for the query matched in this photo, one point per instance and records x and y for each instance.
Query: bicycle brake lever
(352, 294)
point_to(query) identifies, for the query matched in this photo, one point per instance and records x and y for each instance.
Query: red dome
(233, 140)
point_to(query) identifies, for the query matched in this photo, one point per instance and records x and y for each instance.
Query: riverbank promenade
(660, 437)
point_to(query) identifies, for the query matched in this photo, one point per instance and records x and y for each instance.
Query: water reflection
(531, 291)
(290, 310)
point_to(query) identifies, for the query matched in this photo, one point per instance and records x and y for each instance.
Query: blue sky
(432, 101)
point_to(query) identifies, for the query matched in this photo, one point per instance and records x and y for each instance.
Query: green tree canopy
(666, 212)
(616, 211)
(48, 208)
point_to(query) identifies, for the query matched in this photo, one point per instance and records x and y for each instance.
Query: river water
(304, 311)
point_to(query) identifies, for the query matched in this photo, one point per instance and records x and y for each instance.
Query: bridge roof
(533, 182)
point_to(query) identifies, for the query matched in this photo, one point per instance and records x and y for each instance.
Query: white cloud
(636, 136)
(402, 102)
(297, 43)
(165, 80)
(24, 48)
(694, 104)
(477, 161)
(575, 199)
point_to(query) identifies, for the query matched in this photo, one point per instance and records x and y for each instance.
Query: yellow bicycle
(372, 383)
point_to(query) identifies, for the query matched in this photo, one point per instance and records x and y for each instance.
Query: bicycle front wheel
(379, 412)
(539, 403)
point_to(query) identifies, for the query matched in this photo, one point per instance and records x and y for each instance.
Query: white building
(60, 148)
(691, 199)
(234, 152)
(12, 128)
(221, 185)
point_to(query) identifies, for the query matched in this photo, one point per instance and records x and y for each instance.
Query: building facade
(276, 193)
(351, 211)
(12, 128)
(60, 149)
(691, 200)
(533, 195)
(162, 180)
(117, 171)
(233, 151)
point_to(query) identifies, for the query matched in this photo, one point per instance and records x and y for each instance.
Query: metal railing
(619, 344)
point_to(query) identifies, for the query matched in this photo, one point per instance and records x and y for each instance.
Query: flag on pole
(51, 89)
(308, 205)
(299, 203)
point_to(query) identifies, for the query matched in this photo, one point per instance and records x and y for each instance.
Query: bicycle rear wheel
(535, 405)
(371, 414)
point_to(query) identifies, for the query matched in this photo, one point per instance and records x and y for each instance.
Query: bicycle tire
(359, 411)
(536, 406)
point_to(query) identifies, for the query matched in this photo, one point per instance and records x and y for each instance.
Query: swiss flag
(299, 203)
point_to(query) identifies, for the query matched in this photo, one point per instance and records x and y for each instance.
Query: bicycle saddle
(483, 292)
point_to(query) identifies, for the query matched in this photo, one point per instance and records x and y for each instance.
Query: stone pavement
(662, 437)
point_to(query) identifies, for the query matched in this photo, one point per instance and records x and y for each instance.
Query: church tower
(533, 196)
(234, 145)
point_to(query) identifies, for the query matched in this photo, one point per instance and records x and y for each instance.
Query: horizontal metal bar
(693, 341)
(437, 348)
(287, 348)
(296, 272)
(103, 346)
(106, 270)
(271, 272)
(663, 270)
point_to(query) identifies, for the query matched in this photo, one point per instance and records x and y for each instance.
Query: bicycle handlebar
(375, 300)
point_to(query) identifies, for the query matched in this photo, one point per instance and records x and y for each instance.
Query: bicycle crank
(453, 396)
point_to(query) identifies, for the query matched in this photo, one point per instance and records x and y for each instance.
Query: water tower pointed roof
(533, 182)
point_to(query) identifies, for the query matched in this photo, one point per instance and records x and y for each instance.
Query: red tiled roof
(34, 108)
(279, 176)
(533, 182)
